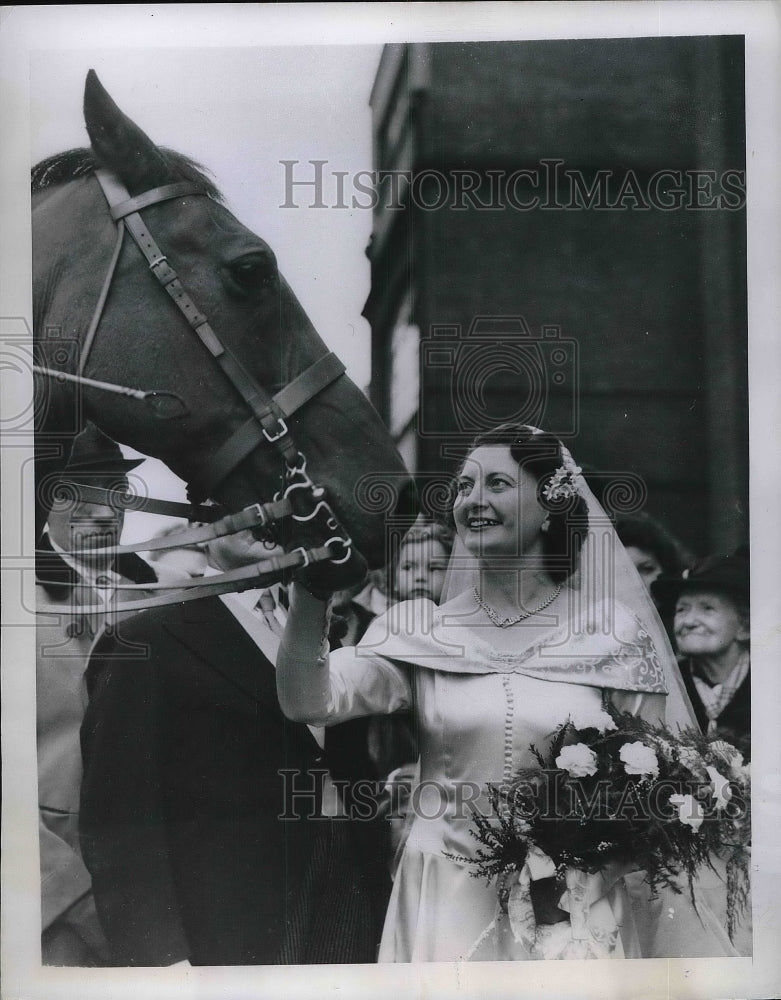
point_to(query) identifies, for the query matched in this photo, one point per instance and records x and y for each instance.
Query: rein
(120, 500)
(257, 516)
(244, 578)
(302, 500)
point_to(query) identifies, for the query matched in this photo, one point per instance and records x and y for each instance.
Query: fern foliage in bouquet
(620, 789)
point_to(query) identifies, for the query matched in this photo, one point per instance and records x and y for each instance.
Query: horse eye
(252, 273)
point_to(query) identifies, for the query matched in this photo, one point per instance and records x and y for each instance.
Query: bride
(547, 620)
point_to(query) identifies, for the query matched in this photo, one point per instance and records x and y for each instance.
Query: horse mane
(75, 163)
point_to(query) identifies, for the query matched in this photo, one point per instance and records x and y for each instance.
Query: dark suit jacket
(63, 644)
(181, 800)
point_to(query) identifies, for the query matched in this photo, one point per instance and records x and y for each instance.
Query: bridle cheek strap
(112, 189)
(95, 321)
(268, 413)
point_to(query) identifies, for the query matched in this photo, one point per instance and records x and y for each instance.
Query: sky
(240, 112)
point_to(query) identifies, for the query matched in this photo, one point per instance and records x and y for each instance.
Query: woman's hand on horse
(322, 579)
(313, 524)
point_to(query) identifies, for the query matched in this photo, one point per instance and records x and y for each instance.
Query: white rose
(722, 793)
(689, 810)
(578, 759)
(639, 759)
(584, 718)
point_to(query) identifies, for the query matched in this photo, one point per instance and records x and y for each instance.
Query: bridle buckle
(304, 552)
(257, 509)
(271, 438)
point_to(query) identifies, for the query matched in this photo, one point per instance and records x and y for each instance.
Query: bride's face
(496, 509)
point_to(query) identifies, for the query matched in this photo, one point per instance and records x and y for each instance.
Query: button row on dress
(508, 729)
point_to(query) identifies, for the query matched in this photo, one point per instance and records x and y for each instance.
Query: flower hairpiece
(562, 483)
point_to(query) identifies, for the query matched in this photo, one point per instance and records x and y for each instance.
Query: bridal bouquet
(619, 789)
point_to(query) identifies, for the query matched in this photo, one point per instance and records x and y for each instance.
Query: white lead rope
(156, 397)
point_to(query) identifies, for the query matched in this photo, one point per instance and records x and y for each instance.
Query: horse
(253, 384)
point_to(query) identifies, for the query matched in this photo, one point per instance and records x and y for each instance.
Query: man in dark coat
(202, 815)
(67, 574)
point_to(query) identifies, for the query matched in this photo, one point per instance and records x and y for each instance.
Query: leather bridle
(267, 425)
(267, 421)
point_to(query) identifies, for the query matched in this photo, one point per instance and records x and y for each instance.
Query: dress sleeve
(651, 686)
(322, 689)
(364, 683)
(648, 681)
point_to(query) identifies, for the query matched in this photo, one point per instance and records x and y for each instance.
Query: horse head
(143, 340)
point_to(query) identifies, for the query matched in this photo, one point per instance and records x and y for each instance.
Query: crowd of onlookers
(705, 604)
(157, 731)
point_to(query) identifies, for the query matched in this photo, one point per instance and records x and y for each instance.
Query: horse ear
(119, 144)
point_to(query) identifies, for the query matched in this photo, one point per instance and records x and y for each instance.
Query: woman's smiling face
(708, 623)
(496, 510)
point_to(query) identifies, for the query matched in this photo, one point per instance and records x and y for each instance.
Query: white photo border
(24, 31)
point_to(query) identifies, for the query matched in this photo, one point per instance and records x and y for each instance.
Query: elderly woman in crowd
(711, 623)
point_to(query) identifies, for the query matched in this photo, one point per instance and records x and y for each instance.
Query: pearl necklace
(507, 622)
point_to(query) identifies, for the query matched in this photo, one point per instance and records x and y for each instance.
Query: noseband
(266, 425)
